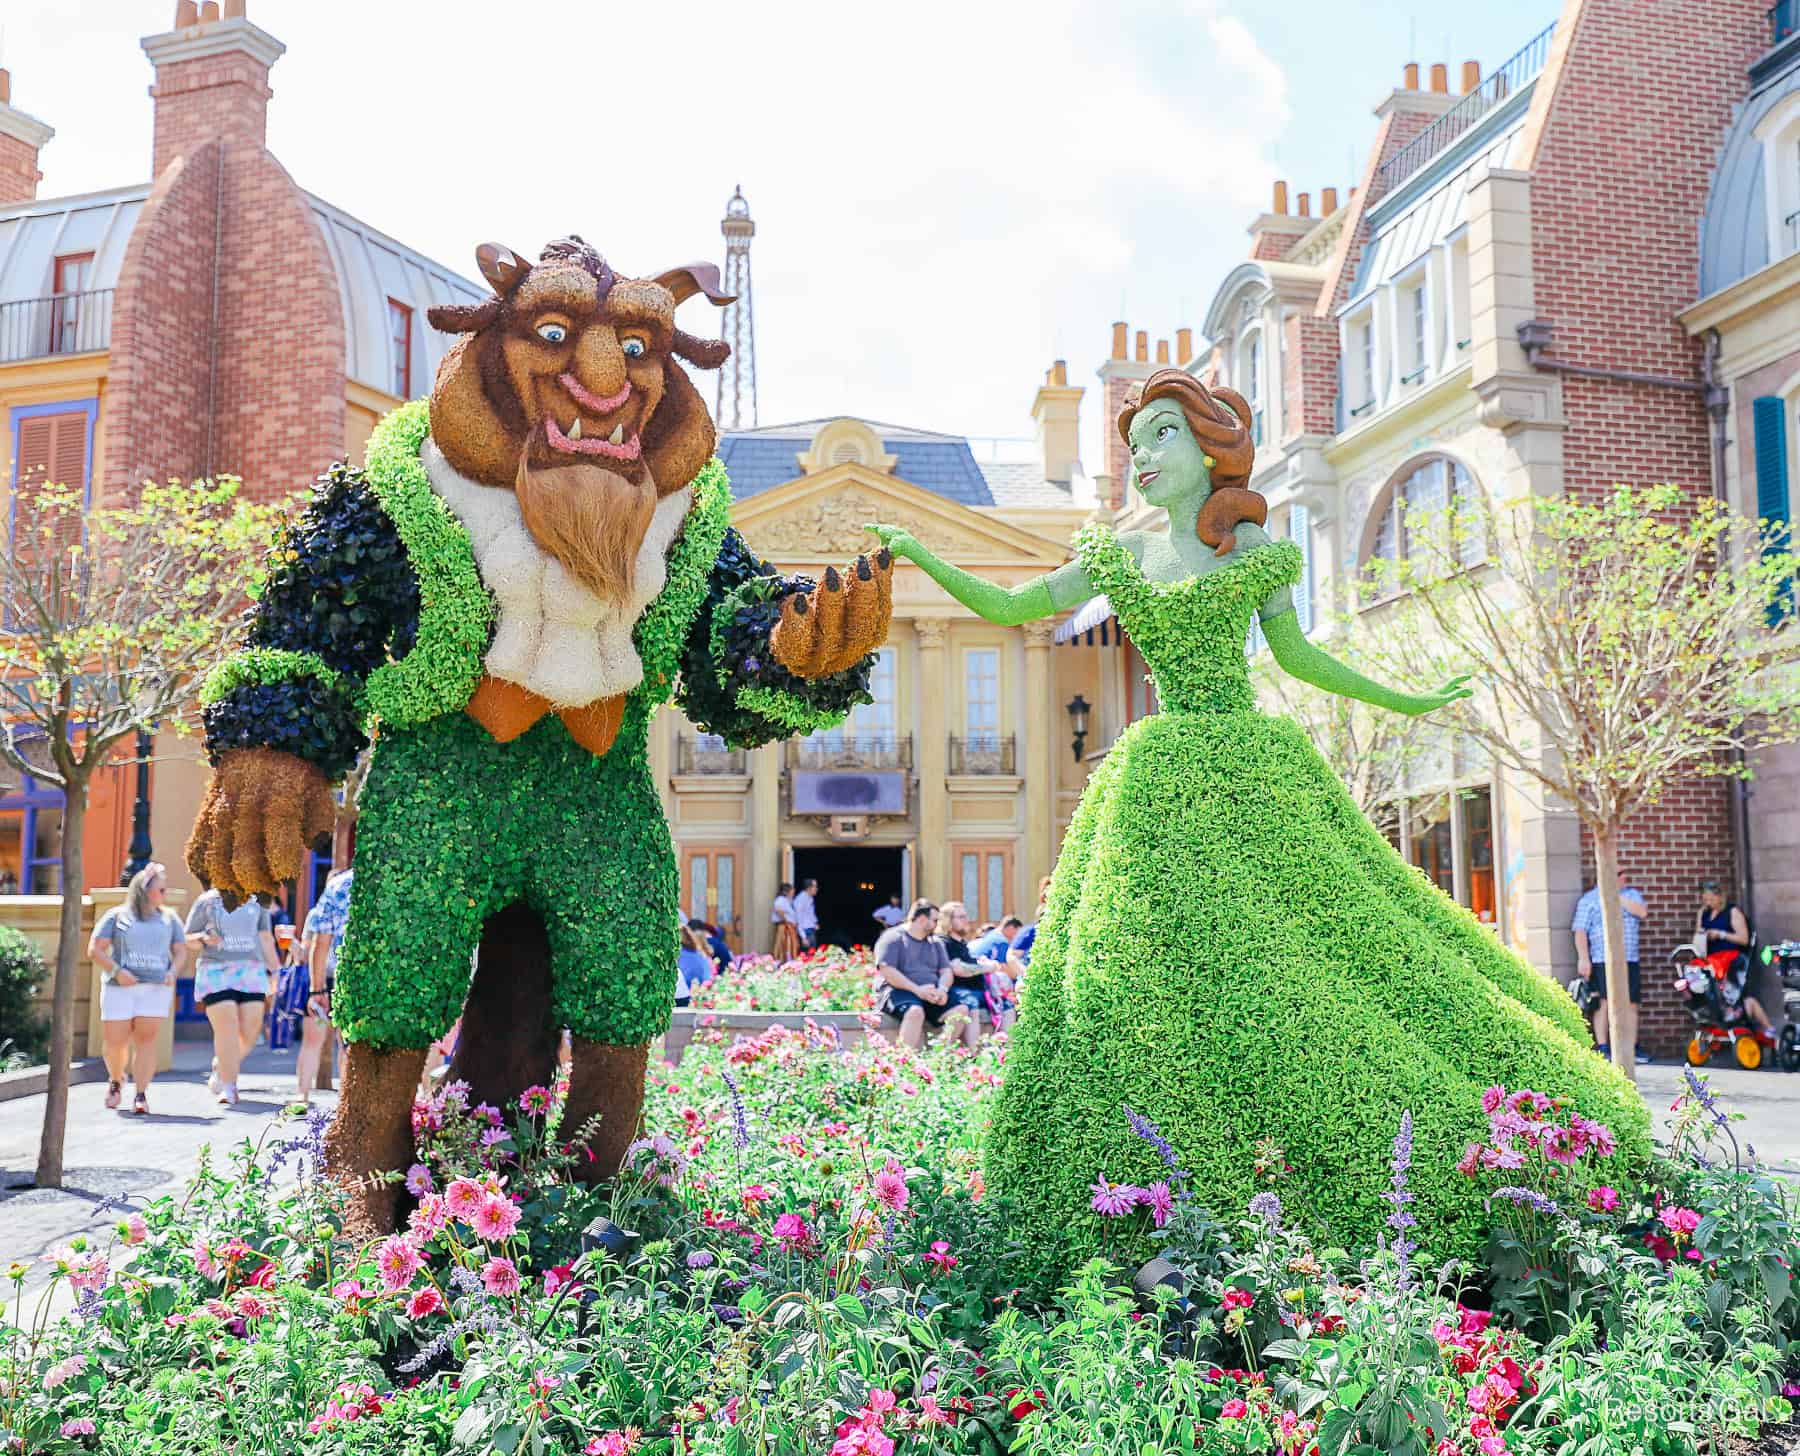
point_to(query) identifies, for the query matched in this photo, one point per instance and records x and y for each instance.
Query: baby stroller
(1712, 983)
(1784, 955)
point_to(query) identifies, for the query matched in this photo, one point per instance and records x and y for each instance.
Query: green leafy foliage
(1232, 949)
(24, 1030)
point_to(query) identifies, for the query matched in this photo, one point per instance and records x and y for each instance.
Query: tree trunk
(1618, 976)
(62, 995)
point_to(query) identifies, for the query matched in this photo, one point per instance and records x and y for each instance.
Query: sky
(948, 194)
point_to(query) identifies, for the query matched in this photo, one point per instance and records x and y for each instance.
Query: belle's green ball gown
(1232, 950)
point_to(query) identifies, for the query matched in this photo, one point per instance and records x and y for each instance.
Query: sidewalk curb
(35, 1081)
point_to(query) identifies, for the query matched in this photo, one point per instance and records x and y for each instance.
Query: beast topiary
(1229, 947)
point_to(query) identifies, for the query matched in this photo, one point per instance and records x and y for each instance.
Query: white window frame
(985, 736)
(1779, 134)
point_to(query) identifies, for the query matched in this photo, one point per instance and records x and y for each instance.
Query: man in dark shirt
(969, 989)
(916, 968)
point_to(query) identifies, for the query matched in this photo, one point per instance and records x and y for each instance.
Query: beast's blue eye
(633, 348)
(552, 333)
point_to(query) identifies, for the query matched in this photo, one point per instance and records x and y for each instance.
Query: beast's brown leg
(372, 1132)
(509, 1038)
(608, 1080)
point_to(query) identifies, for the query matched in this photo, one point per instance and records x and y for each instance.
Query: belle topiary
(1229, 947)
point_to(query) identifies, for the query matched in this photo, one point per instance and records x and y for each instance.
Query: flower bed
(803, 1257)
(823, 980)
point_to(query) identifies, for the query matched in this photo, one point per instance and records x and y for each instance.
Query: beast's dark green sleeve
(731, 683)
(340, 599)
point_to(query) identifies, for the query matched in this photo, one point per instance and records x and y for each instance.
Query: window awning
(1089, 615)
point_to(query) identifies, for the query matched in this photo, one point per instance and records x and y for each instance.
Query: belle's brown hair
(1220, 420)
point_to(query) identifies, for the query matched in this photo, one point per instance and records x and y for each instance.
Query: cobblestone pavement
(114, 1155)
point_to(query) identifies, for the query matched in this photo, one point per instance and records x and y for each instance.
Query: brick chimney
(1117, 376)
(20, 138)
(1057, 411)
(212, 81)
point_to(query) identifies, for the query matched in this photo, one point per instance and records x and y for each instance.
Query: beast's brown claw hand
(844, 620)
(261, 812)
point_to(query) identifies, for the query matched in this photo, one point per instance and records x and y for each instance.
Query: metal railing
(850, 751)
(65, 323)
(1512, 73)
(983, 753)
(1784, 20)
(705, 756)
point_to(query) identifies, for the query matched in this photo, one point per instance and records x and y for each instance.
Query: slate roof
(1020, 485)
(762, 459)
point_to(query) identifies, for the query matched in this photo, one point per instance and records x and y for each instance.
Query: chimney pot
(1411, 73)
(1059, 373)
(186, 13)
(1143, 346)
(1471, 76)
(1184, 345)
(1440, 78)
(209, 11)
(1328, 202)
(234, 9)
(1118, 342)
(1281, 203)
(1162, 351)
(1306, 204)
(5, 87)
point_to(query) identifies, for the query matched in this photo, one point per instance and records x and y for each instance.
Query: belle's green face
(1170, 462)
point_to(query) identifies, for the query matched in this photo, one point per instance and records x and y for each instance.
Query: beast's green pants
(454, 827)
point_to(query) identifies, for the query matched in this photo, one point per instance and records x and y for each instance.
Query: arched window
(1249, 380)
(1422, 487)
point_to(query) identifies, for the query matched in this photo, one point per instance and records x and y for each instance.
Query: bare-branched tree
(110, 616)
(1623, 643)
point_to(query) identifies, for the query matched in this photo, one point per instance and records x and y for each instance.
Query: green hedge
(1231, 949)
(24, 1032)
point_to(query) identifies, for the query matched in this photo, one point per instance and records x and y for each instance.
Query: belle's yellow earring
(1210, 462)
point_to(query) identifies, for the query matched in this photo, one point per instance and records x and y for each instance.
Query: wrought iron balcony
(1513, 73)
(65, 323)
(827, 751)
(982, 753)
(706, 756)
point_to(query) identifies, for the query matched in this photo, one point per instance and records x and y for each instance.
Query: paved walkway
(114, 1155)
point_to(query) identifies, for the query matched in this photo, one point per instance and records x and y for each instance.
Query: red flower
(1235, 1298)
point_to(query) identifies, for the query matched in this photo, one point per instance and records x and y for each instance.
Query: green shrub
(24, 1032)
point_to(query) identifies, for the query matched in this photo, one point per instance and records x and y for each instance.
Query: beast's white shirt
(553, 635)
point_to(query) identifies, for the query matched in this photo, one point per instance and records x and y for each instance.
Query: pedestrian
(996, 940)
(1722, 925)
(140, 949)
(1590, 957)
(915, 968)
(324, 932)
(718, 947)
(233, 979)
(970, 987)
(1018, 954)
(891, 915)
(806, 914)
(694, 965)
(781, 916)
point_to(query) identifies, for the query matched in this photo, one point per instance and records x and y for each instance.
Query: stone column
(765, 845)
(662, 756)
(1042, 739)
(931, 871)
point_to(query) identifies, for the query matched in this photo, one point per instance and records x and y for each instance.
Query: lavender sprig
(1529, 1198)
(1399, 1195)
(1266, 1206)
(1152, 1134)
(740, 1120)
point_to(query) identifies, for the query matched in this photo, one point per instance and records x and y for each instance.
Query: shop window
(1430, 840)
(983, 875)
(1477, 809)
(31, 840)
(400, 343)
(981, 697)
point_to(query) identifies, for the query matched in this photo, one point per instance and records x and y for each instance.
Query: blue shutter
(1769, 415)
(1300, 533)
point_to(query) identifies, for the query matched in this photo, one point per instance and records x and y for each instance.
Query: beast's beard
(589, 518)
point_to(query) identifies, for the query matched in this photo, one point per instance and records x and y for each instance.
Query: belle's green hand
(1453, 691)
(897, 539)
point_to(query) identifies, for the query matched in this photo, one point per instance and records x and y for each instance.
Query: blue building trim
(89, 407)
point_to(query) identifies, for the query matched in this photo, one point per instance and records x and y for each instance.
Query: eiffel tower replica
(737, 380)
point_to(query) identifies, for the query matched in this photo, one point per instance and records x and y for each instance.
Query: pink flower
(1492, 1445)
(250, 1305)
(134, 1230)
(426, 1301)
(1235, 1298)
(1603, 1199)
(398, 1263)
(418, 1180)
(1447, 1447)
(1492, 1098)
(613, 1443)
(535, 1100)
(1469, 1161)
(204, 1263)
(1112, 1200)
(1159, 1200)
(428, 1219)
(933, 1414)
(791, 1229)
(543, 1383)
(555, 1279)
(350, 1293)
(890, 1187)
(64, 1371)
(81, 1426)
(496, 1218)
(939, 1254)
(463, 1197)
(1680, 1221)
(500, 1276)
(1233, 1410)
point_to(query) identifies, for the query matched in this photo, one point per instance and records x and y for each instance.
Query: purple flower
(1528, 1198)
(740, 1121)
(1152, 1134)
(1704, 1096)
(1399, 1195)
(699, 1259)
(1159, 1200)
(1266, 1206)
(1114, 1200)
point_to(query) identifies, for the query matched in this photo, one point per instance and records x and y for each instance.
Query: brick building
(215, 319)
(1378, 342)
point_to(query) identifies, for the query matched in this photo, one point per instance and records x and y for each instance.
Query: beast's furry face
(566, 387)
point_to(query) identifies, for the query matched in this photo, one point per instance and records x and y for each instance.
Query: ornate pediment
(833, 525)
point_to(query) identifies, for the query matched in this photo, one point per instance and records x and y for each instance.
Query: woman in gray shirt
(232, 980)
(140, 951)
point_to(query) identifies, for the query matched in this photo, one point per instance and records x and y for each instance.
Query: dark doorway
(852, 884)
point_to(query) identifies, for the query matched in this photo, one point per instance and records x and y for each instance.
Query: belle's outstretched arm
(1299, 658)
(1044, 596)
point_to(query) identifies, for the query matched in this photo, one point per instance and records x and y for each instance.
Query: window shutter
(52, 451)
(1769, 417)
(1300, 533)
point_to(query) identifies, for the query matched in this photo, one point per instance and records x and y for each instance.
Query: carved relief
(833, 525)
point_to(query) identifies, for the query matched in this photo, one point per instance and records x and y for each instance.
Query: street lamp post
(139, 850)
(1079, 707)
